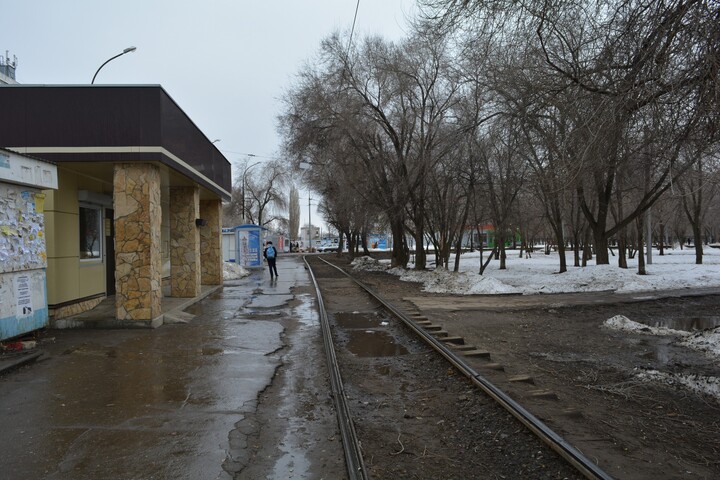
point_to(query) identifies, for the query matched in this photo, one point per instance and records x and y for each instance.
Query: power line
(352, 30)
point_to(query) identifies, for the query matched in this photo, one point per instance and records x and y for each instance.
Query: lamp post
(244, 186)
(309, 225)
(127, 50)
(304, 166)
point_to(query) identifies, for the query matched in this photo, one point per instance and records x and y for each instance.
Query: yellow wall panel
(62, 280)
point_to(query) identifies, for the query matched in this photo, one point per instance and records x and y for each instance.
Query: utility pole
(309, 225)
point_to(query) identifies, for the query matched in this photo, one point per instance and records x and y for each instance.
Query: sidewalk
(155, 403)
(103, 316)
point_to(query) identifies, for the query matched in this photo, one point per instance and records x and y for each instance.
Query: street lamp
(304, 166)
(244, 186)
(215, 141)
(127, 50)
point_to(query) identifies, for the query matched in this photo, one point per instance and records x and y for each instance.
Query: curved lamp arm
(127, 50)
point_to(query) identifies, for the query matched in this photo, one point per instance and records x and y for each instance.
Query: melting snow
(233, 271)
(674, 270)
(696, 383)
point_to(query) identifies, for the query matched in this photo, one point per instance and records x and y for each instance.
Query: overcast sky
(225, 62)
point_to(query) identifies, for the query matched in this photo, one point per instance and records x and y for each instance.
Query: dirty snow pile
(443, 281)
(621, 322)
(369, 264)
(233, 271)
(538, 274)
(707, 341)
(695, 383)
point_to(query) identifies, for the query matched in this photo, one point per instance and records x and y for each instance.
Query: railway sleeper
(463, 348)
(494, 366)
(521, 379)
(544, 395)
(475, 353)
(453, 339)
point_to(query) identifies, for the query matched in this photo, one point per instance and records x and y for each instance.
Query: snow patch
(695, 383)
(621, 322)
(538, 274)
(707, 341)
(369, 264)
(233, 271)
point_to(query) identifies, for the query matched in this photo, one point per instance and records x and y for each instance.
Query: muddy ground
(581, 379)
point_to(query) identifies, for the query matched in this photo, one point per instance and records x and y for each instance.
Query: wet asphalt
(151, 404)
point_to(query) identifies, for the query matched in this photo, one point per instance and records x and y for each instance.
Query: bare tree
(264, 193)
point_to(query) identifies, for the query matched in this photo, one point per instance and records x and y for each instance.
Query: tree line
(577, 123)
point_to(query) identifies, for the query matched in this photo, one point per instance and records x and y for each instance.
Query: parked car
(327, 247)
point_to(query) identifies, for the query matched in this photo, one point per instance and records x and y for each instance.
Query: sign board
(248, 246)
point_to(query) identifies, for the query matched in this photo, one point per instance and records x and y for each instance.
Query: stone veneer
(184, 242)
(211, 242)
(138, 262)
(75, 308)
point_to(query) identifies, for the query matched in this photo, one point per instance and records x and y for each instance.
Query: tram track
(452, 351)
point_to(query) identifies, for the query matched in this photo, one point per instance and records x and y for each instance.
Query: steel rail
(351, 446)
(572, 455)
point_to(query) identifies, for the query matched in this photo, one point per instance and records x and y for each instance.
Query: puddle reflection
(691, 324)
(357, 320)
(373, 343)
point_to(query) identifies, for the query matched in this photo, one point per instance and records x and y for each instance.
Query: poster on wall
(23, 294)
(249, 248)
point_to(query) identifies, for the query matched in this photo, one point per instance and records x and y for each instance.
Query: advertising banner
(249, 249)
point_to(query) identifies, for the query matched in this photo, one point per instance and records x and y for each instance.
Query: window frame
(100, 232)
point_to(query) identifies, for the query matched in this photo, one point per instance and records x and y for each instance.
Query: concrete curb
(10, 364)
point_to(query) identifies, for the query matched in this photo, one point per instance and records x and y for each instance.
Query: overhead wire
(352, 30)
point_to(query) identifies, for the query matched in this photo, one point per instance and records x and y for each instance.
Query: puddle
(357, 320)
(662, 353)
(373, 343)
(685, 324)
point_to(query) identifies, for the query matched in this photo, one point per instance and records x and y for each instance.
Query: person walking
(270, 254)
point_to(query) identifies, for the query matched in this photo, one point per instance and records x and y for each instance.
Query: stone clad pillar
(211, 242)
(184, 242)
(138, 262)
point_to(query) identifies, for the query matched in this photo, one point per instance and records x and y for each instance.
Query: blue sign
(249, 248)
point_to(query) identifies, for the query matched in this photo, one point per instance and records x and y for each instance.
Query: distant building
(7, 69)
(314, 233)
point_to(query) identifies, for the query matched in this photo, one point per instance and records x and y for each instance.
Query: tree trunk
(587, 253)
(560, 239)
(420, 255)
(697, 236)
(400, 254)
(601, 247)
(503, 255)
(341, 242)
(483, 266)
(622, 248)
(662, 239)
(458, 252)
(640, 238)
(576, 252)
